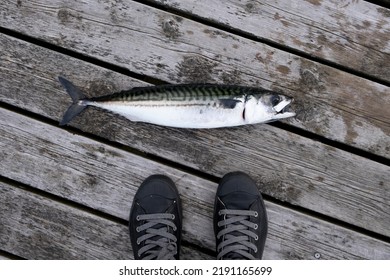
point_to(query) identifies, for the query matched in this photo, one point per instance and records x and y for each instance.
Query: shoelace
(159, 243)
(236, 230)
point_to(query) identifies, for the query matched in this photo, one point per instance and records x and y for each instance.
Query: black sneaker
(240, 218)
(156, 219)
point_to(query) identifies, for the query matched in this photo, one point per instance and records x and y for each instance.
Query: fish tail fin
(77, 107)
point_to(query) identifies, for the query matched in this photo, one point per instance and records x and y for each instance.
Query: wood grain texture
(287, 167)
(34, 227)
(354, 34)
(105, 179)
(329, 102)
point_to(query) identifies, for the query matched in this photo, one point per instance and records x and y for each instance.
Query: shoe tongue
(156, 204)
(239, 201)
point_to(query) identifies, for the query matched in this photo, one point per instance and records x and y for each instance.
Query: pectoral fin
(229, 103)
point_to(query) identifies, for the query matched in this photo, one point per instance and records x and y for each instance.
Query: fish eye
(275, 99)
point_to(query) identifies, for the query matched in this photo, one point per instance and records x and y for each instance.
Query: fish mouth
(283, 109)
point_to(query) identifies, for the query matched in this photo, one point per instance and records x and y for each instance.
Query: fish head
(268, 107)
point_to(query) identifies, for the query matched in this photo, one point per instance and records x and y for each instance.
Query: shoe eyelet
(138, 218)
(256, 214)
(137, 229)
(255, 226)
(219, 213)
(173, 216)
(256, 237)
(138, 242)
(174, 228)
(255, 250)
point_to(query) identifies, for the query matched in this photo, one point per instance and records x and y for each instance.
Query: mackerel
(186, 105)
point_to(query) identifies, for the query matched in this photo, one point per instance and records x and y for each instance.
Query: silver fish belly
(186, 106)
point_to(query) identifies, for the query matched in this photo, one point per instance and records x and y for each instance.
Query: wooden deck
(66, 192)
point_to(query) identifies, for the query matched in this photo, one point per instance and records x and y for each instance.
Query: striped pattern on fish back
(179, 93)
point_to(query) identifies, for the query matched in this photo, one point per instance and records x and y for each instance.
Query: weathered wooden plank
(354, 34)
(330, 102)
(106, 179)
(35, 227)
(328, 240)
(288, 167)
